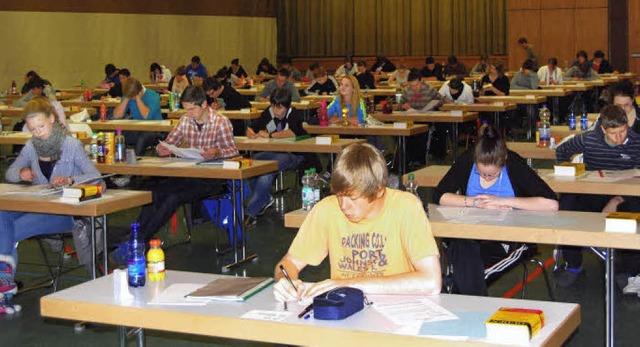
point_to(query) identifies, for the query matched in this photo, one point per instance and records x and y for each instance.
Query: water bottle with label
(121, 147)
(315, 184)
(308, 195)
(544, 130)
(136, 261)
(571, 120)
(93, 148)
(411, 186)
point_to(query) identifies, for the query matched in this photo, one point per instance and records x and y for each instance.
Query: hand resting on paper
(491, 202)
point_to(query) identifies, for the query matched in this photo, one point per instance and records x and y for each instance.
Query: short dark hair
(584, 67)
(622, 88)
(235, 61)
(598, 54)
(124, 71)
(348, 59)
(109, 69)
(32, 74)
(195, 59)
(362, 63)
(35, 83)
(553, 61)
(583, 54)
(211, 83)
(429, 60)
(613, 117)
(528, 64)
(284, 73)
(456, 83)
(222, 73)
(280, 97)
(523, 40)
(452, 59)
(491, 148)
(194, 94)
(500, 68)
(154, 67)
(414, 76)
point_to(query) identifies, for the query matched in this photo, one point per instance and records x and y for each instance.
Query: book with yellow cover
(569, 169)
(237, 163)
(82, 190)
(514, 325)
(327, 139)
(622, 222)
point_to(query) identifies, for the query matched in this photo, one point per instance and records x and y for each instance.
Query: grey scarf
(51, 147)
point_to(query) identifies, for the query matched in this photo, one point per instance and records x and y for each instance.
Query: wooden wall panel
(591, 3)
(634, 34)
(553, 44)
(523, 4)
(549, 4)
(521, 23)
(249, 8)
(592, 32)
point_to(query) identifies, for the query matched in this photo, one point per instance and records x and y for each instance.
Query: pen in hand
(286, 275)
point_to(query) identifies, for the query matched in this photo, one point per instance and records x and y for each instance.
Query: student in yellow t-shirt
(378, 239)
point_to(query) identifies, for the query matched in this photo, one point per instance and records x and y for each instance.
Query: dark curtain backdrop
(308, 28)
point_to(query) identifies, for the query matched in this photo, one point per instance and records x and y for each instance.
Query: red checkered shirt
(217, 132)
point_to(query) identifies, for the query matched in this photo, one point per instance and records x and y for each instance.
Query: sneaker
(7, 284)
(266, 207)
(633, 286)
(121, 181)
(249, 221)
(567, 276)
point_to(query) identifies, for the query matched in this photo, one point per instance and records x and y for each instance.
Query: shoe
(118, 257)
(567, 276)
(250, 221)
(266, 207)
(633, 286)
(121, 181)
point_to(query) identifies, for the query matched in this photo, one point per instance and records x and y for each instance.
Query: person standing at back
(530, 51)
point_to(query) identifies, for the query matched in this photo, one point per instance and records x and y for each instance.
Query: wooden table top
(177, 167)
(428, 117)
(378, 130)
(480, 107)
(92, 103)
(113, 200)
(78, 89)
(549, 92)
(303, 105)
(244, 114)
(592, 83)
(306, 146)
(571, 86)
(156, 86)
(318, 98)
(585, 184)
(131, 125)
(532, 150)
(526, 100)
(20, 138)
(93, 301)
(563, 131)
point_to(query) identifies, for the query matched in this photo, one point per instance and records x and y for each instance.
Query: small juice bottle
(155, 261)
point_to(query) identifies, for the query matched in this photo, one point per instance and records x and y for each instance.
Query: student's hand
(27, 175)
(491, 202)
(60, 181)
(353, 121)
(162, 150)
(211, 153)
(316, 289)
(334, 120)
(406, 106)
(263, 134)
(283, 291)
(251, 134)
(612, 205)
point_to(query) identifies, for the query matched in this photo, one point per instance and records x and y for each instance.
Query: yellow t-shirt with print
(386, 245)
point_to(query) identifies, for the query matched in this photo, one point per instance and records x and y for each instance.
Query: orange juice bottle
(155, 261)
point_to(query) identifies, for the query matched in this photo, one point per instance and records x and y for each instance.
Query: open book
(231, 289)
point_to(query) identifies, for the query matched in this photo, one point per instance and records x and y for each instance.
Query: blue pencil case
(338, 303)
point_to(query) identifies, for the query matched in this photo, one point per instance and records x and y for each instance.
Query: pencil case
(338, 303)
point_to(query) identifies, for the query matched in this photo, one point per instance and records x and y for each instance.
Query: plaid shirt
(216, 132)
(418, 100)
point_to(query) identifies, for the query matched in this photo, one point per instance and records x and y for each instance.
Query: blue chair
(221, 212)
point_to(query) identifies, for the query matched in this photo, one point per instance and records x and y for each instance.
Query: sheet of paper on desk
(272, 316)
(611, 175)
(468, 324)
(471, 215)
(189, 153)
(174, 295)
(38, 189)
(407, 310)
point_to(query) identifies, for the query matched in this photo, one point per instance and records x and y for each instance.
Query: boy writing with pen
(377, 239)
(610, 146)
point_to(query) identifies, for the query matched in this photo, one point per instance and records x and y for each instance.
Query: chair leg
(525, 274)
(546, 278)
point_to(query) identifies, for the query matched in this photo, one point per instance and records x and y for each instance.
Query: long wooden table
(131, 125)
(373, 130)
(89, 104)
(553, 93)
(20, 138)
(94, 302)
(584, 184)
(244, 114)
(111, 201)
(176, 167)
(303, 105)
(309, 145)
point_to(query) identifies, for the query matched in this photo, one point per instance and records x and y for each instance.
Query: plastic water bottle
(121, 148)
(584, 120)
(176, 101)
(544, 130)
(316, 185)
(155, 261)
(411, 186)
(93, 148)
(308, 195)
(323, 115)
(571, 120)
(137, 266)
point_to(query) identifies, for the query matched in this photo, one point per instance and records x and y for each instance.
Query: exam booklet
(231, 288)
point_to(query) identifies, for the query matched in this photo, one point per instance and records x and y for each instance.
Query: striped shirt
(420, 99)
(216, 132)
(598, 155)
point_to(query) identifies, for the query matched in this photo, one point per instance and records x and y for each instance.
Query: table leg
(531, 110)
(556, 109)
(122, 336)
(237, 262)
(402, 154)
(140, 341)
(455, 140)
(609, 297)
(93, 247)
(105, 259)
